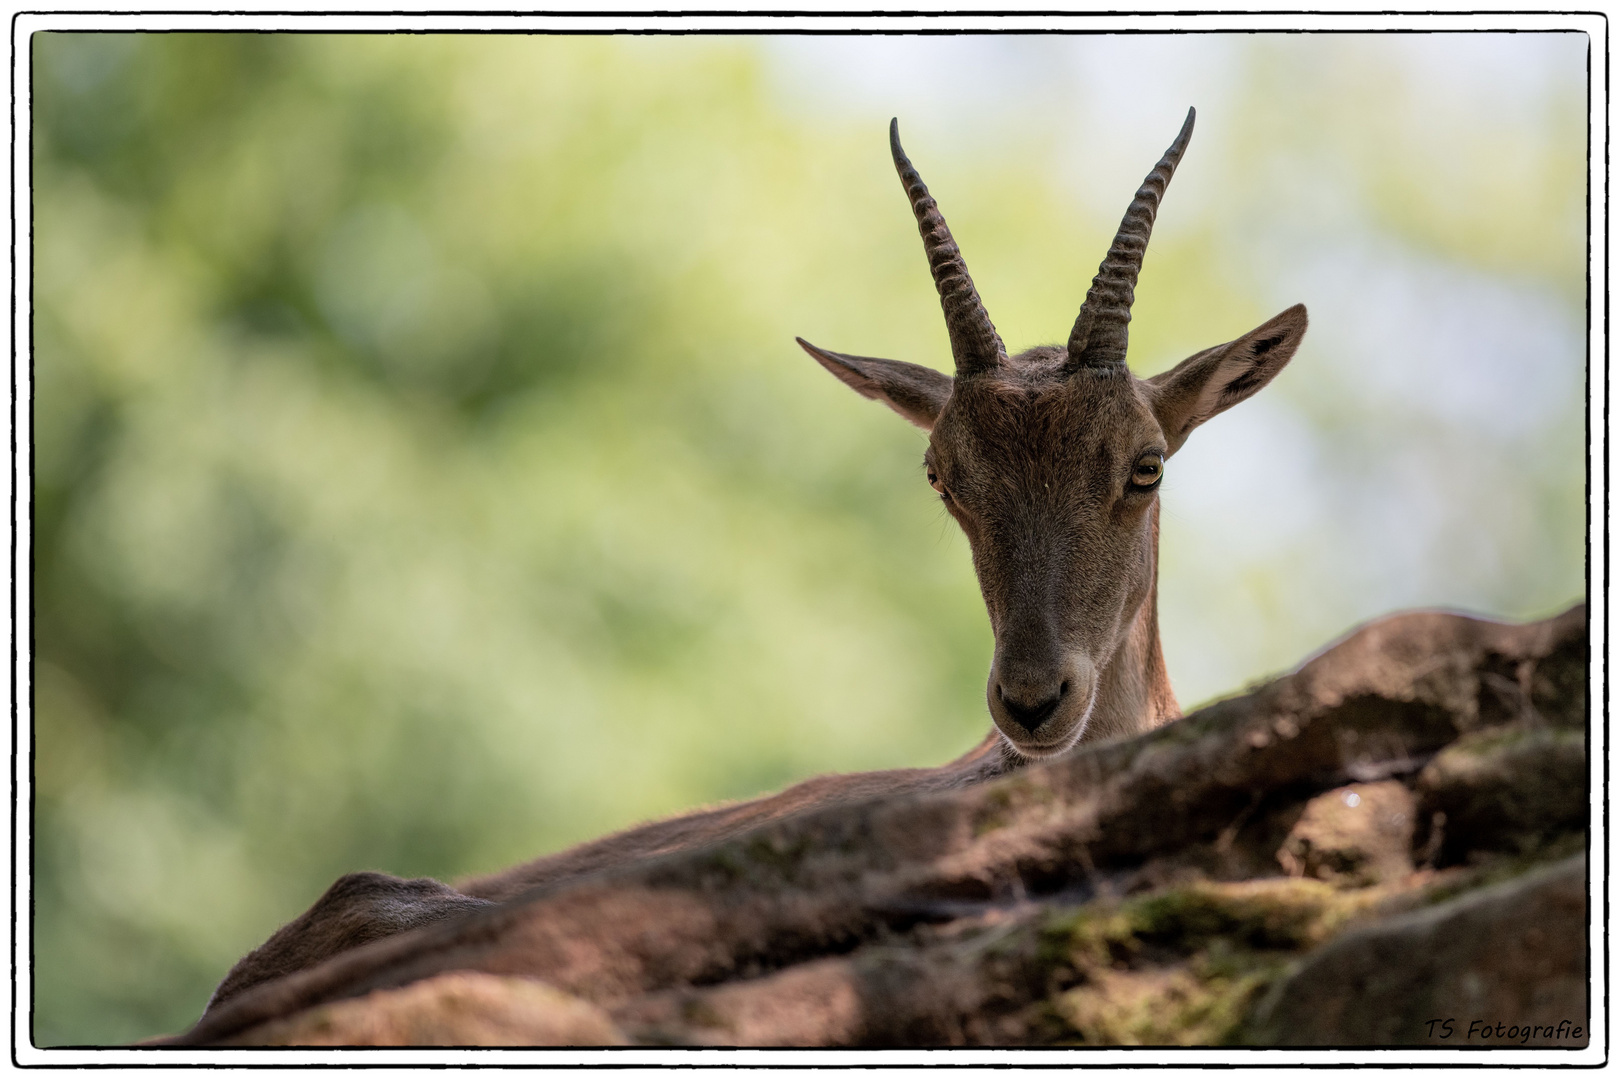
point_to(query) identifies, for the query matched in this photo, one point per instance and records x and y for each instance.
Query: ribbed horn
(974, 341)
(1100, 333)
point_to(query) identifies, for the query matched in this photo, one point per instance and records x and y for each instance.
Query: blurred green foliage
(413, 491)
(425, 476)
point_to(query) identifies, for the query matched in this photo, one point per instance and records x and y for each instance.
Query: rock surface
(1505, 965)
(1393, 833)
(463, 1008)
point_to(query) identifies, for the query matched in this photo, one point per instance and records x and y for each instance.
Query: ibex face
(1050, 461)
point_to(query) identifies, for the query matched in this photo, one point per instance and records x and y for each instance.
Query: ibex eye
(1149, 471)
(933, 482)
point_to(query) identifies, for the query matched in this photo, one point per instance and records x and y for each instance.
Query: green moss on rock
(1183, 966)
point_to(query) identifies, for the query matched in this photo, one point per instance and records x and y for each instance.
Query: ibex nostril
(1030, 716)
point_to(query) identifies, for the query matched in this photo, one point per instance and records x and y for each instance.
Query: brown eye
(1148, 471)
(933, 482)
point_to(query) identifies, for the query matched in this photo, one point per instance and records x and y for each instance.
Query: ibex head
(1051, 461)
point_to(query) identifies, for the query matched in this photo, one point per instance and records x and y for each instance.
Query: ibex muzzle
(1051, 462)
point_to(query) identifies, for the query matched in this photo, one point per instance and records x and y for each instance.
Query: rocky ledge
(1386, 847)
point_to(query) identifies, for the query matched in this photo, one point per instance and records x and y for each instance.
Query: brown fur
(1035, 463)
(721, 823)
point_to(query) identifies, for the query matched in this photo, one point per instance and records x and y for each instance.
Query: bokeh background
(425, 477)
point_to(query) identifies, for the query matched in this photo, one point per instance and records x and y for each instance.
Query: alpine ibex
(1050, 461)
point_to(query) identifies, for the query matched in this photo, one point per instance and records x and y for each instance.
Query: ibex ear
(1216, 379)
(915, 392)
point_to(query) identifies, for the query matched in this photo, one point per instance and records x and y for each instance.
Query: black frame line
(224, 1054)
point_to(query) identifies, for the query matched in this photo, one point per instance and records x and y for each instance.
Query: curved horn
(1099, 336)
(974, 341)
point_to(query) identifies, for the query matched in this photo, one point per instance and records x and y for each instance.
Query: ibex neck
(1133, 692)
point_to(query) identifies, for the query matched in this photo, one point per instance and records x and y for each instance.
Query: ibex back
(1051, 462)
